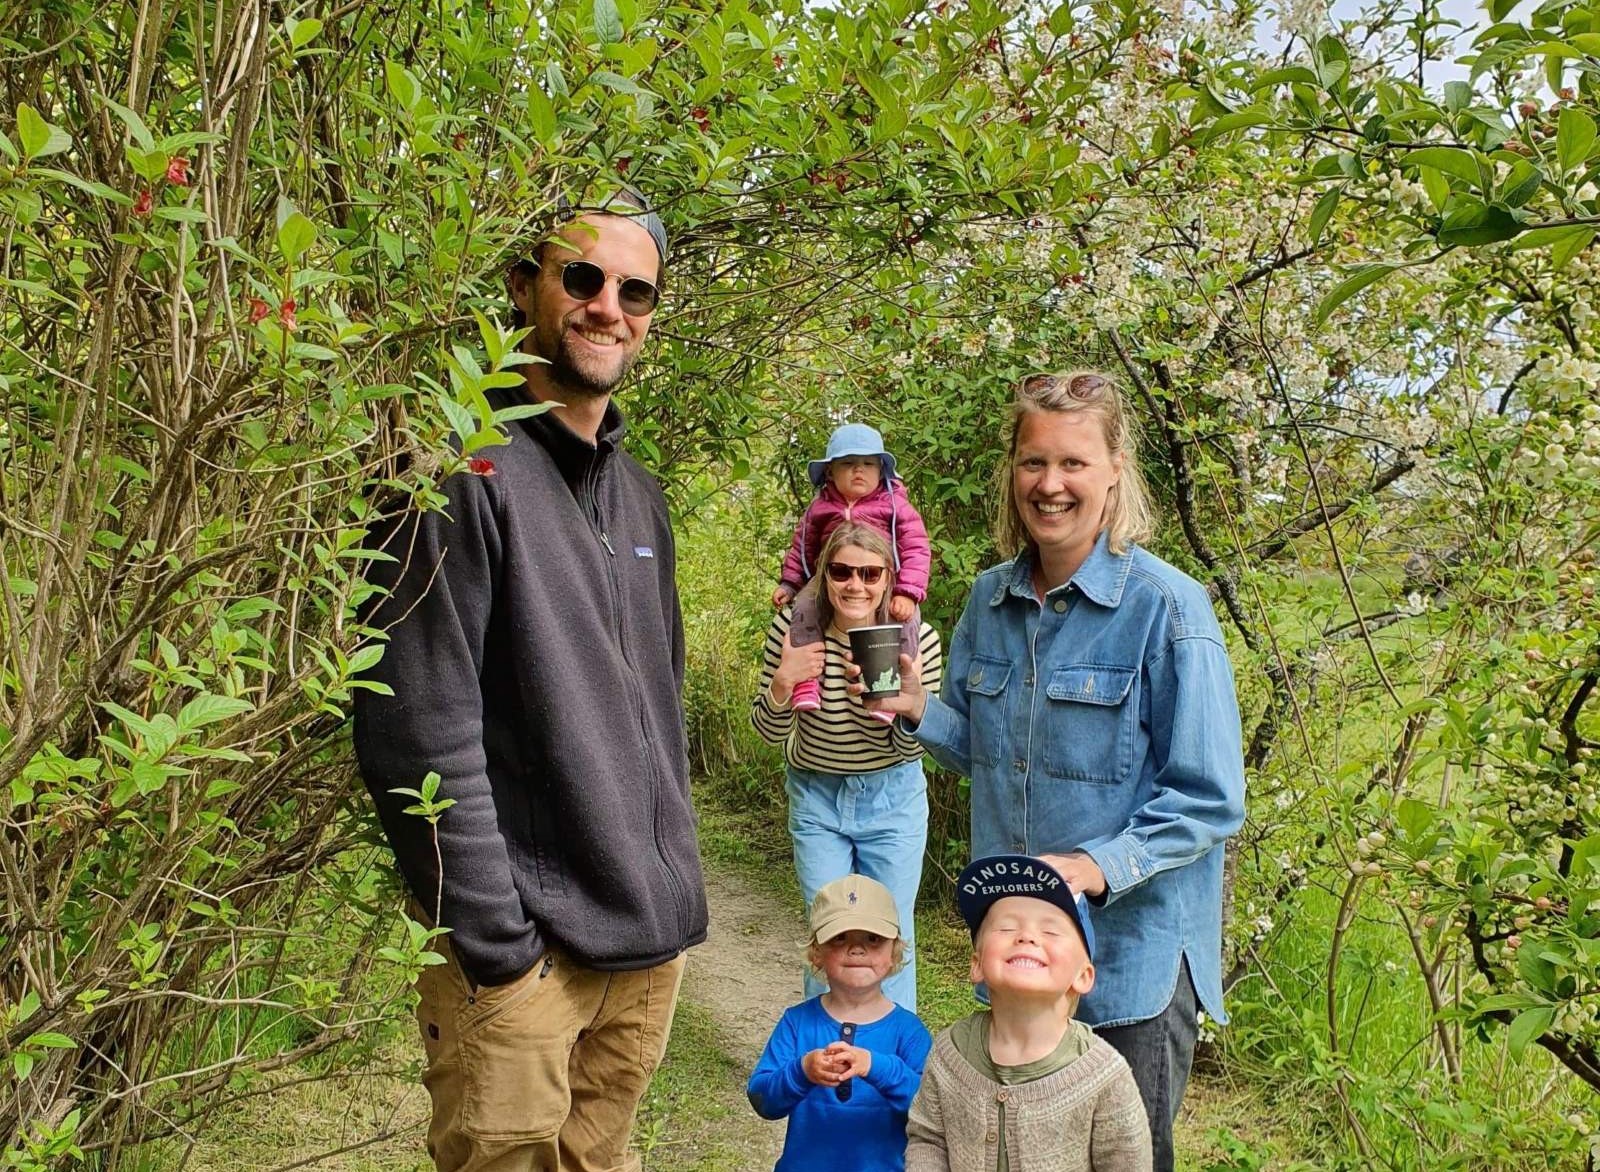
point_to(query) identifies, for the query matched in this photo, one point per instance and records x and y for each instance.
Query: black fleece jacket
(536, 656)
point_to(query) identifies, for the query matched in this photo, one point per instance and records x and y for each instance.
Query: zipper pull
(606, 541)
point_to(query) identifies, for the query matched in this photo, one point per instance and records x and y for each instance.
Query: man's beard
(566, 373)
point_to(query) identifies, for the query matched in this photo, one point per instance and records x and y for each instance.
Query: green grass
(694, 1107)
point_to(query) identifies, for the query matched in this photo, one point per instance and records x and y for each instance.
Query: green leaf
(208, 708)
(1473, 222)
(1415, 817)
(521, 411)
(1249, 116)
(607, 24)
(1462, 164)
(1436, 185)
(541, 115)
(51, 1041)
(1323, 212)
(22, 1064)
(891, 118)
(37, 136)
(615, 81)
(1571, 247)
(1545, 237)
(402, 86)
(1529, 1025)
(1574, 136)
(1521, 184)
(302, 32)
(1350, 286)
(296, 232)
(136, 127)
(1286, 76)
(1332, 62)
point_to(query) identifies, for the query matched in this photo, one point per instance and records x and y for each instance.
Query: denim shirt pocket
(988, 719)
(1090, 723)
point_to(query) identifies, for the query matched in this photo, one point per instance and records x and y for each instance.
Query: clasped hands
(836, 1063)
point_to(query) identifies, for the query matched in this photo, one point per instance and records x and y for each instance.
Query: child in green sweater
(1022, 1081)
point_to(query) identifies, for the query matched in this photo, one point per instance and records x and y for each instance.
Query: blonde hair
(863, 537)
(897, 956)
(1129, 516)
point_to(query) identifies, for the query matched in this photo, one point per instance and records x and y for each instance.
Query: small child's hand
(822, 1066)
(853, 1061)
(901, 608)
(782, 595)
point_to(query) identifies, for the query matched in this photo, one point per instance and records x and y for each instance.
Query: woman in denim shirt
(1090, 699)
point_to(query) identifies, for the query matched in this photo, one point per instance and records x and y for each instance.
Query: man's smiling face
(589, 345)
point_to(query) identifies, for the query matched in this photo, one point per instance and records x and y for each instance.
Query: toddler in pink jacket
(855, 482)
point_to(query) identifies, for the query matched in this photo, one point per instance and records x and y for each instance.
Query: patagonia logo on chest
(643, 551)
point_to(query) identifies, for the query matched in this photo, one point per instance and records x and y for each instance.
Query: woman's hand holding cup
(912, 700)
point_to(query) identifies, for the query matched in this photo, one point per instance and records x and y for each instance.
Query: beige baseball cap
(854, 903)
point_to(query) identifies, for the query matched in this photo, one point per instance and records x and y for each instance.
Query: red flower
(622, 164)
(777, 61)
(286, 313)
(479, 466)
(459, 140)
(258, 310)
(143, 204)
(178, 171)
(702, 117)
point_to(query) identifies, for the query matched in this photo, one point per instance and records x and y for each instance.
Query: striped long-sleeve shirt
(840, 737)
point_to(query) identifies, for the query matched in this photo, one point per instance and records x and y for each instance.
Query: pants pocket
(660, 1000)
(514, 1041)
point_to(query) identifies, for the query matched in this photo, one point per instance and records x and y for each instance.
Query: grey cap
(624, 201)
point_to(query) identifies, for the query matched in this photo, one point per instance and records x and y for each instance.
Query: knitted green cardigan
(1086, 1116)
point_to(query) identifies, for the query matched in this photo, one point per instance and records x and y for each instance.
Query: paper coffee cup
(876, 651)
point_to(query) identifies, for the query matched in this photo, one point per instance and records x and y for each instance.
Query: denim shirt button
(1019, 848)
(1021, 765)
(1059, 606)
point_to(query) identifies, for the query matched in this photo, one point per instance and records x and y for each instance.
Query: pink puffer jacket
(886, 510)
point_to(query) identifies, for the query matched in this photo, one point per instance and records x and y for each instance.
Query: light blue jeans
(873, 824)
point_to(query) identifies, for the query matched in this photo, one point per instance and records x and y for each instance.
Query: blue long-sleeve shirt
(1103, 719)
(866, 1133)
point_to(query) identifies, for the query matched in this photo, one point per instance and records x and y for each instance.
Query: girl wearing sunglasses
(858, 801)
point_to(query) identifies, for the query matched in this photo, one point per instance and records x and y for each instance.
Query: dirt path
(737, 983)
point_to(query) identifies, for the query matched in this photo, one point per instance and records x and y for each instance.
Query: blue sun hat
(851, 439)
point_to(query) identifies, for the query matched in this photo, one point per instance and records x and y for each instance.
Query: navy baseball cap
(986, 881)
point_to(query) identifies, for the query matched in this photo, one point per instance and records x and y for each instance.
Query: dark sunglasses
(583, 280)
(1077, 386)
(841, 573)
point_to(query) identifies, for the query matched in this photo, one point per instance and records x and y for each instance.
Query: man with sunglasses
(536, 658)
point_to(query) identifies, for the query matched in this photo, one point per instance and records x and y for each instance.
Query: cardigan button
(991, 1137)
(1003, 1096)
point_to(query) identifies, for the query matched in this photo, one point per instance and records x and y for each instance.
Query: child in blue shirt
(844, 1067)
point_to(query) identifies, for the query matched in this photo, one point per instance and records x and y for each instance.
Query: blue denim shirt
(1104, 720)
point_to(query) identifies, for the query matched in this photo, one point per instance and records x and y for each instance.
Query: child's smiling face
(1029, 947)
(855, 477)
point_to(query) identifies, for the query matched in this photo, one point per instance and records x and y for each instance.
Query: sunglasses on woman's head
(583, 280)
(1077, 386)
(841, 573)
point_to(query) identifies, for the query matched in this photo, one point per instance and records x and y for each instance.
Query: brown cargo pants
(544, 1074)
